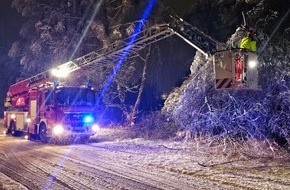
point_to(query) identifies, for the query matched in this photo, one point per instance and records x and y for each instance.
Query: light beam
(96, 10)
(275, 30)
(64, 158)
(125, 53)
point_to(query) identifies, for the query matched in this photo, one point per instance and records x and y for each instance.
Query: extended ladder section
(128, 48)
(121, 49)
(192, 35)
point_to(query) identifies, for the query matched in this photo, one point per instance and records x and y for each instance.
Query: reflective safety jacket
(248, 44)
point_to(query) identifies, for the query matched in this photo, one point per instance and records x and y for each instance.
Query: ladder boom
(192, 35)
(114, 51)
(128, 48)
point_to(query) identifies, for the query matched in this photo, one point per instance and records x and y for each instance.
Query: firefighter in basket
(248, 43)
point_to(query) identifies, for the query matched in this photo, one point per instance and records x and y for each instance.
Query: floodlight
(253, 64)
(60, 72)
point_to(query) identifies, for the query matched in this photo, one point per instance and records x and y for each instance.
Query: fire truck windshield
(75, 97)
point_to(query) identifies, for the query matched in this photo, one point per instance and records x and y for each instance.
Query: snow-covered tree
(52, 33)
(250, 114)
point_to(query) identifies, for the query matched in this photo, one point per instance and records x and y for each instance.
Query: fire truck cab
(52, 112)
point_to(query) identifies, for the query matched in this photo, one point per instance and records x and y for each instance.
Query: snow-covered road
(130, 164)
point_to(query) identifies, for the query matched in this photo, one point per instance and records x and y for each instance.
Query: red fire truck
(48, 110)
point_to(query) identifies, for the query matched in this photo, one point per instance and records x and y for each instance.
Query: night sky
(10, 23)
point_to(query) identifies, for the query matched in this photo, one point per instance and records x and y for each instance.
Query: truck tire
(12, 128)
(43, 133)
(31, 136)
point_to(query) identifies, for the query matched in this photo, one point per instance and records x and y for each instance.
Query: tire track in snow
(102, 177)
(40, 164)
(47, 165)
(31, 179)
(25, 173)
(160, 178)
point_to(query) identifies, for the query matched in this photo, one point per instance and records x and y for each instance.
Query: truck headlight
(58, 129)
(95, 127)
(253, 64)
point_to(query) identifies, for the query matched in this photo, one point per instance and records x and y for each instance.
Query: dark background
(10, 24)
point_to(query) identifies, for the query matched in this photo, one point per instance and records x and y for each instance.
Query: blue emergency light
(88, 119)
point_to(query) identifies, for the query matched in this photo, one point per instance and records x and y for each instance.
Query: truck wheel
(43, 133)
(12, 128)
(30, 136)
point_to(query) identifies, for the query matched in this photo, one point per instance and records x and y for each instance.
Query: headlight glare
(58, 129)
(95, 127)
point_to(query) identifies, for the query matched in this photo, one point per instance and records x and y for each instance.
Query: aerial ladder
(224, 61)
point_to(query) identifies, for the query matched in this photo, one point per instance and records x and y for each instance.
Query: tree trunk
(132, 115)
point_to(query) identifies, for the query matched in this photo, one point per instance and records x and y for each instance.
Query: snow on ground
(135, 161)
(7, 183)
